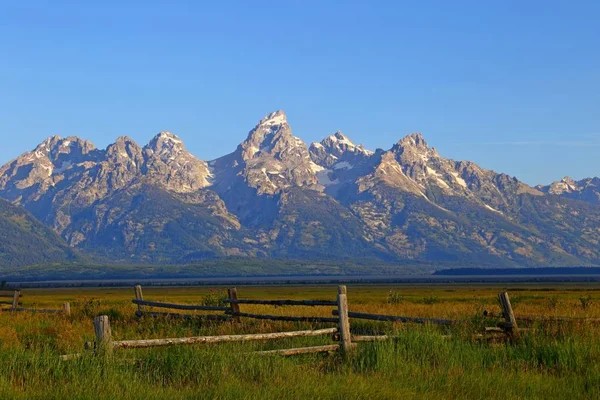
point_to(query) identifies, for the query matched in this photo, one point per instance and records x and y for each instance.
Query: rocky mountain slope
(584, 190)
(26, 241)
(274, 196)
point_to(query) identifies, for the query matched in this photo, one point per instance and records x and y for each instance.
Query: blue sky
(513, 86)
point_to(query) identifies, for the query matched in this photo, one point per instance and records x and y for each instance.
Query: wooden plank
(209, 317)
(129, 344)
(489, 329)
(375, 338)
(542, 318)
(34, 310)
(310, 303)
(534, 318)
(235, 307)
(179, 306)
(301, 350)
(361, 338)
(284, 317)
(67, 308)
(104, 342)
(509, 317)
(344, 321)
(393, 318)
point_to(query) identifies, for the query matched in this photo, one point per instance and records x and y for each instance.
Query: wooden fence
(143, 304)
(16, 297)
(106, 345)
(13, 296)
(341, 333)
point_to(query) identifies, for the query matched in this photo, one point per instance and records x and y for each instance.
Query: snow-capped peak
(274, 118)
(339, 137)
(340, 143)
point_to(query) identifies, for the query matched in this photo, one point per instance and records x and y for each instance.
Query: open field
(551, 361)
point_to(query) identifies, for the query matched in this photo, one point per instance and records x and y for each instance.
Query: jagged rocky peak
(166, 145)
(270, 160)
(54, 147)
(337, 148)
(168, 163)
(565, 185)
(275, 118)
(413, 143)
(272, 136)
(414, 140)
(340, 143)
(413, 149)
(125, 151)
(587, 189)
(43, 165)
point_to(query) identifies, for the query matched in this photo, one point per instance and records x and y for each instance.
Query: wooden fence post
(67, 309)
(139, 296)
(104, 344)
(509, 316)
(16, 296)
(344, 322)
(235, 307)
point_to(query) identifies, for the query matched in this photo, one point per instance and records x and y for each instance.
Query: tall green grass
(417, 363)
(553, 361)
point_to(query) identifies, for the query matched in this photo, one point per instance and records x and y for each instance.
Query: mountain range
(276, 197)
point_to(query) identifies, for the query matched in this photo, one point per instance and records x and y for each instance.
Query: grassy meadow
(549, 361)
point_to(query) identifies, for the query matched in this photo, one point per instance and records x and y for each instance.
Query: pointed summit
(124, 149)
(413, 140)
(335, 148)
(275, 118)
(166, 146)
(164, 139)
(272, 135)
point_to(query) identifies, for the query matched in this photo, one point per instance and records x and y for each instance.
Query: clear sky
(511, 85)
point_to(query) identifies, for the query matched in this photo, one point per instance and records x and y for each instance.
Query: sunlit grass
(551, 361)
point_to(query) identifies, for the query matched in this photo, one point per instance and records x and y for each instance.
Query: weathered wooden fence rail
(233, 310)
(14, 305)
(142, 304)
(311, 303)
(131, 344)
(284, 317)
(179, 306)
(393, 318)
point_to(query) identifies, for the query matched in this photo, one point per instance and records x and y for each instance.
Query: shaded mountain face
(26, 241)
(276, 197)
(587, 190)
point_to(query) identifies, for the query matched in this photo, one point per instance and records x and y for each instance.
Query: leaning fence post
(235, 307)
(139, 296)
(16, 296)
(104, 344)
(344, 322)
(67, 309)
(509, 316)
